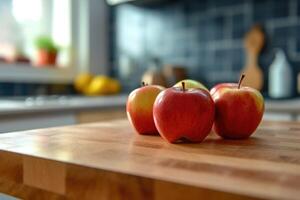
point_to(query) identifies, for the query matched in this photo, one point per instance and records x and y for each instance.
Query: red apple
(181, 113)
(140, 108)
(239, 110)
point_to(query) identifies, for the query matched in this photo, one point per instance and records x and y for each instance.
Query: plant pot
(46, 58)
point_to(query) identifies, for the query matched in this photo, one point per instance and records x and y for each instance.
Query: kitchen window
(78, 29)
(44, 17)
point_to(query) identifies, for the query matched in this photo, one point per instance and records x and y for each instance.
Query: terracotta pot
(46, 58)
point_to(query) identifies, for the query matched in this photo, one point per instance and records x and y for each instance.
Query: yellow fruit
(98, 86)
(114, 86)
(189, 83)
(82, 81)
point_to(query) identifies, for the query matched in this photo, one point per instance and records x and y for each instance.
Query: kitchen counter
(283, 106)
(109, 161)
(71, 103)
(47, 104)
(26, 113)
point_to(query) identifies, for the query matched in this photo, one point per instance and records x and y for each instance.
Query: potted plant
(46, 51)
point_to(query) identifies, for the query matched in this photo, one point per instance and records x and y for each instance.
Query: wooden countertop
(109, 161)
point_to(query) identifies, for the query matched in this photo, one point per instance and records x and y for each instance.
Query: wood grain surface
(109, 161)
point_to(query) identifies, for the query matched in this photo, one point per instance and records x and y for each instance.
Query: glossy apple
(189, 83)
(239, 110)
(183, 114)
(140, 108)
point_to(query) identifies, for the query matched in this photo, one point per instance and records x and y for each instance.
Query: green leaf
(46, 43)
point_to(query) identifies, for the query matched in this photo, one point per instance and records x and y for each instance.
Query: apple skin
(183, 114)
(239, 111)
(139, 109)
(189, 84)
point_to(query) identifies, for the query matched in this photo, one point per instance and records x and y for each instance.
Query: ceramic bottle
(280, 77)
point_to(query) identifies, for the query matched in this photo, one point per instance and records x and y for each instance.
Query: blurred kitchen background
(53, 53)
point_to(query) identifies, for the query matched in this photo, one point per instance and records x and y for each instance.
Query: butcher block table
(109, 161)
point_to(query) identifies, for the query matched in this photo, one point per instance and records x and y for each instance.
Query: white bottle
(280, 77)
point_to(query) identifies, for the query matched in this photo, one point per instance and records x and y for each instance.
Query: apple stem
(143, 84)
(183, 85)
(241, 80)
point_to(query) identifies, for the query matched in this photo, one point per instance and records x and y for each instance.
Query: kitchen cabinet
(282, 110)
(101, 115)
(41, 112)
(43, 120)
(108, 160)
(35, 121)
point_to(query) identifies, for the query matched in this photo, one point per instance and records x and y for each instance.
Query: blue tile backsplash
(205, 36)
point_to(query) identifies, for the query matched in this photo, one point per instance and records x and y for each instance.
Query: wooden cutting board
(109, 161)
(253, 43)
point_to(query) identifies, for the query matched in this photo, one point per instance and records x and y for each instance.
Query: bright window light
(61, 24)
(27, 10)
